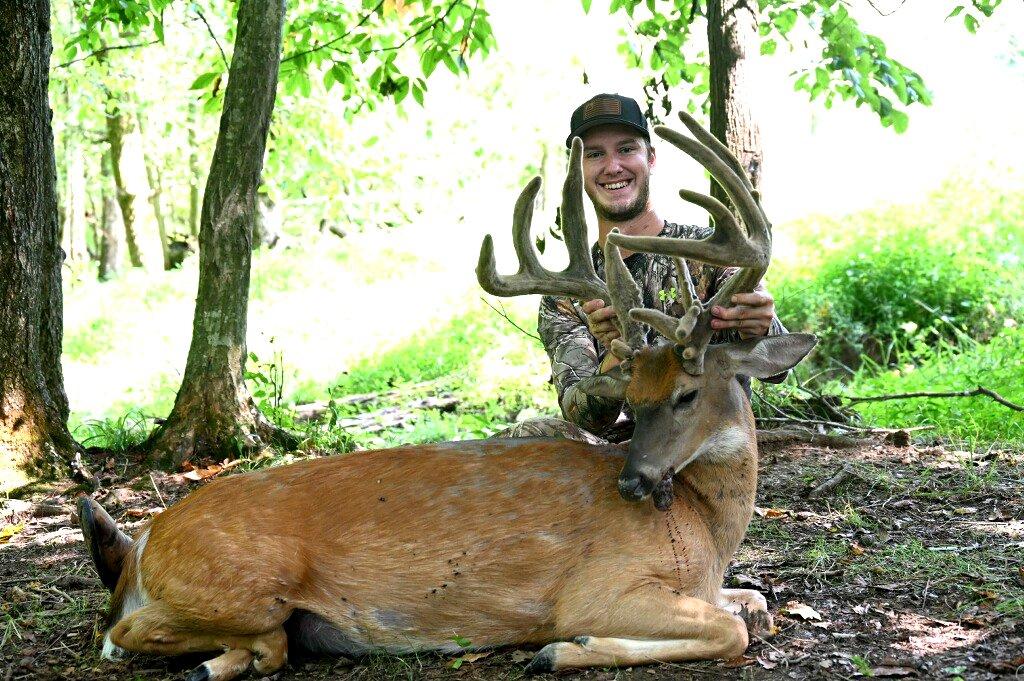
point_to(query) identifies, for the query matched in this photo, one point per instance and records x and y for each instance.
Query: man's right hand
(600, 321)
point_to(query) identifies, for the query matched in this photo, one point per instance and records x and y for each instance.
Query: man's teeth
(616, 185)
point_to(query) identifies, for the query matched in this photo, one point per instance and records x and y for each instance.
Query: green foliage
(885, 277)
(929, 366)
(852, 65)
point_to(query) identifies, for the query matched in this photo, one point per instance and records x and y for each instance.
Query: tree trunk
(732, 36)
(193, 170)
(213, 414)
(117, 127)
(108, 241)
(155, 180)
(33, 404)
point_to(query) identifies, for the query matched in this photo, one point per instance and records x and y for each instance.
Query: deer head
(687, 405)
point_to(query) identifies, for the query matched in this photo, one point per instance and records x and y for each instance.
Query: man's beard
(626, 213)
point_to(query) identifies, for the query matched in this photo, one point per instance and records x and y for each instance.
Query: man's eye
(627, 150)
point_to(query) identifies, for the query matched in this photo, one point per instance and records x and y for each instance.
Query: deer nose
(632, 488)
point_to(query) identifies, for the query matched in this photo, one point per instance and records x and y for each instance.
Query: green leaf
(204, 80)
(768, 47)
(899, 121)
(586, 6)
(971, 23)
(417, 94)
(956, 11)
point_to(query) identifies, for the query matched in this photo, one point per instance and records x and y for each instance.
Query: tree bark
(108, 241)
(117, 127)
(732, 37)
(33, 404)
(213, 414)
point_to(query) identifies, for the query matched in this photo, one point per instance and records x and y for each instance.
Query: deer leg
(650, 624)
(157, 630)
(751, 606)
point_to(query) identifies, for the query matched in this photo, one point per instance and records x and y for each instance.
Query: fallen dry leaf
(9, 531)
(797, 609)
(741, 661)
(473, 657)
(893, 672)
(770, 512)
(520, 656)
(143, 512)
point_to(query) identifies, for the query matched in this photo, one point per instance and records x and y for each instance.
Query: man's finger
(601, 314)
(754, 298)
(743, 312)
(592, 305)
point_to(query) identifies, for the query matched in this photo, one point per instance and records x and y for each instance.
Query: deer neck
(721, 491)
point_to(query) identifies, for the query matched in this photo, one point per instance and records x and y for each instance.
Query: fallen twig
(157, 490)
(980, 390)
(777, 436)
(844, 474)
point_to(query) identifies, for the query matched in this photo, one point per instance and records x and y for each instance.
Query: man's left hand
(751, 314)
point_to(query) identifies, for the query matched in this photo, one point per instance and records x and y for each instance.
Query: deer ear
(763, 357)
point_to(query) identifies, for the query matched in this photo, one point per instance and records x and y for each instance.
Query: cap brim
(605, 120)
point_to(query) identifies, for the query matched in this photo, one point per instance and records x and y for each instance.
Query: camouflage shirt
(575, 354)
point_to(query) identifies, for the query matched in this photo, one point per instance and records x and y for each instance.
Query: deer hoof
(200, 673)
(759, 622)
(543, 662)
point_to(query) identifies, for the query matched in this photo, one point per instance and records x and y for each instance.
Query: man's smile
(615, 186)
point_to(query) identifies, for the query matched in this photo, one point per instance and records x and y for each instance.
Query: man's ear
(762, 357)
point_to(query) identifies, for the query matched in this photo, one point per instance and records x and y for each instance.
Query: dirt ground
(911, 565)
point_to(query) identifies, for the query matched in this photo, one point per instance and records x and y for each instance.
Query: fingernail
(717, 310)
(733, 299)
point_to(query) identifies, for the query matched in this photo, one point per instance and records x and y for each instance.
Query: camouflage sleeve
(719, 275)
(574, 356)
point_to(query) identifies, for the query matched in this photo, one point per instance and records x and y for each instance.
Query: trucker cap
(604, 110)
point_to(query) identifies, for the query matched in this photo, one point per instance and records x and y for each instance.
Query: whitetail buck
(501, 542)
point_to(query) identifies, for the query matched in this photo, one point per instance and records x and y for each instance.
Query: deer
(600, 555)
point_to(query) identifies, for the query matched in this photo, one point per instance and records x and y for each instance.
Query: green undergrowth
(869, 281)
(930, 365)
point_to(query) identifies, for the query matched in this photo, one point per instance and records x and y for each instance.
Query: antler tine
(624, 294)
(578, 280)
(704, 136)
(574, 221)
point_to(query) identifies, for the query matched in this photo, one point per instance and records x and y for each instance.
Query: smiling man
(618, 160)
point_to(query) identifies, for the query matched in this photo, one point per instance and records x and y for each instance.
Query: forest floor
(910, 567)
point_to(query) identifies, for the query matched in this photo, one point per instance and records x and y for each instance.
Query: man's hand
(751, 314)
(600, 321)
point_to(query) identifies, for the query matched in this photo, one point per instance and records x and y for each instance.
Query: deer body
(498, 542)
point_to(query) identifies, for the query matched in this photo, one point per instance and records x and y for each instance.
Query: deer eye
(685, 399)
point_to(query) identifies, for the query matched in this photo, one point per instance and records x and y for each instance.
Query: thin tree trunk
(155, 192)
(732, 38)
(117, 127)
(33, 404)
(193, 170)
(213, 413)
(108, 241)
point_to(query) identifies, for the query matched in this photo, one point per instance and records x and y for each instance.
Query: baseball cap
(604, 110)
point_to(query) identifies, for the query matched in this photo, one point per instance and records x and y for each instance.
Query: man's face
(617, 167)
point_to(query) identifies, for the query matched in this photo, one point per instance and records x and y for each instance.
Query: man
(618, 160)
